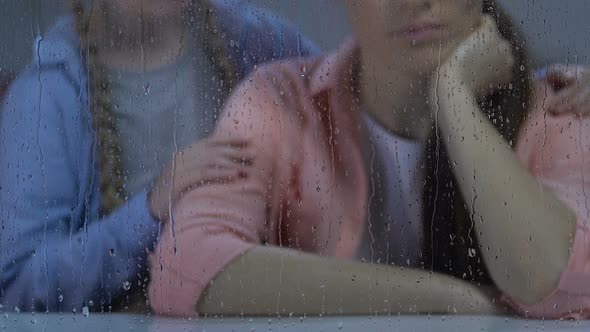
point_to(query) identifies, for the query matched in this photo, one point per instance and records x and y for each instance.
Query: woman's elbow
(538, 282)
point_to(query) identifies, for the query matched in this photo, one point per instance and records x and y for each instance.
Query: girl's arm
(55, 255)
(524, 230)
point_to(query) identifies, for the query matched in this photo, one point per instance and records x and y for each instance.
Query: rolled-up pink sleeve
(194, 249)
(214, 224)
(556, 149)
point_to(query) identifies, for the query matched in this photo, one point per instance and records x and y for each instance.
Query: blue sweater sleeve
(54, 252)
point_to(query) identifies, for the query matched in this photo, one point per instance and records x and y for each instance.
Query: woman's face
(413, 33)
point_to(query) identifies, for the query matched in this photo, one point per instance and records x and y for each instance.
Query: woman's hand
(201, 163)
(482, 62)
(571, 87)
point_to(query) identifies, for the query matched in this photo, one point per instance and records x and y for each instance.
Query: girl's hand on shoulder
(571, 90)
(205, 162)
(482, 62)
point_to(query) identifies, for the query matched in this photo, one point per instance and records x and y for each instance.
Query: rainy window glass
(319, 165)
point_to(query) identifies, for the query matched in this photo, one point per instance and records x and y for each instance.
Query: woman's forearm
(525, 232)
(275, 281)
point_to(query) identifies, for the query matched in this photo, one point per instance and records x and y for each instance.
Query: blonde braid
(216, 48)
(107, 136)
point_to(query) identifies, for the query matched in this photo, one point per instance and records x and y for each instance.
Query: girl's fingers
(206, 154)
(562, 101)
(581, 105)
(209, 175)
(240, 159)
(561, 72)
(228, 160)
(217, 161)
(573, 98)
(568, 77)
(203, 147)
(232, 143)
(559, 83)
(220, 177)
(221, 164)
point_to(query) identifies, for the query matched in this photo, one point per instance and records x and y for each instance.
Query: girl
(423, 146)
(112, 94)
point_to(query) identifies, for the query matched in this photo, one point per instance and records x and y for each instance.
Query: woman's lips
(420, 32)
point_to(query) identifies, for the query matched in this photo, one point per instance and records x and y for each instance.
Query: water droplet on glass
(126, 285)
(340, 325)
(85, 311)
(60, 298)
(303, 70)
(146, 89)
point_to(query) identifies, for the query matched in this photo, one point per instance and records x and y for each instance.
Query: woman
(112, 94)
(398, 149)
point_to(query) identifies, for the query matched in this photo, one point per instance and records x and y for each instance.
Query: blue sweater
(56, 254)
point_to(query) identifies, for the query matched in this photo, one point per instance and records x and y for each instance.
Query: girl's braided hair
(90, 24)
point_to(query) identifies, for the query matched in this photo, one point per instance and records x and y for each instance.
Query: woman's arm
(524, 230)
(555, 149)
(277, 281)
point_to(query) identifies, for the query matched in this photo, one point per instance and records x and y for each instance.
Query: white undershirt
(394, 228)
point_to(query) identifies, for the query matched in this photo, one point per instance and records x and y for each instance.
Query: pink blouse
(309, 187)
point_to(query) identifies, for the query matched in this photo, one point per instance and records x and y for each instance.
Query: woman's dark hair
(451, 245)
